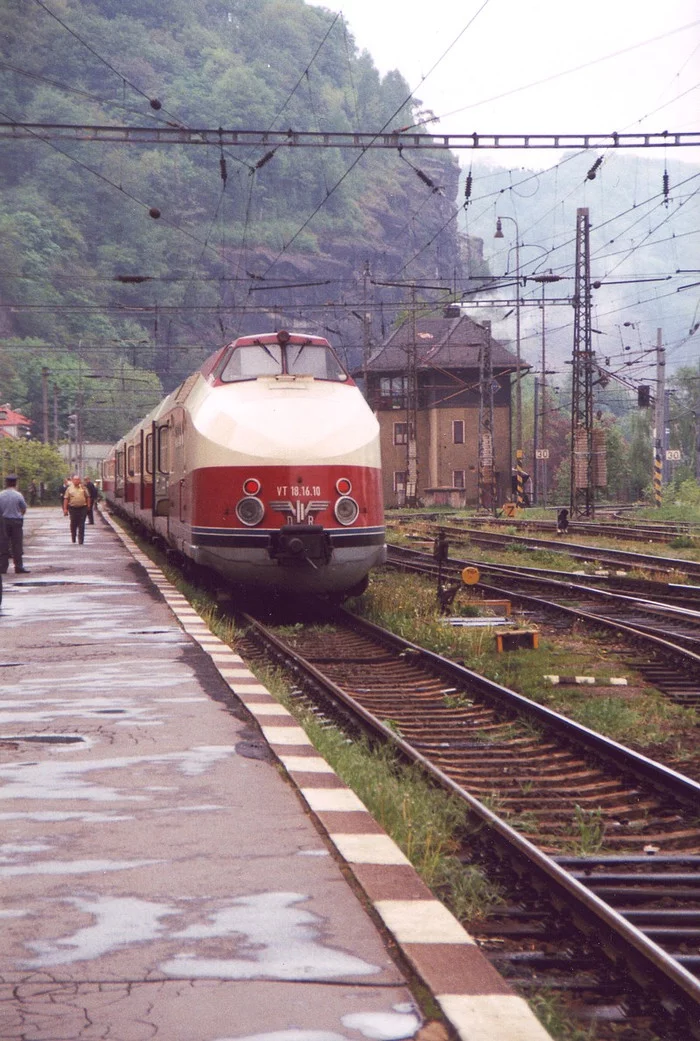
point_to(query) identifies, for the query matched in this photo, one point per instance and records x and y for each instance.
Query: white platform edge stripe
(285, 735)
(492, 1017)
(422, 921)
(268, 708)
(246, 691)
(311, 764)
(332, 799)
(368, 849)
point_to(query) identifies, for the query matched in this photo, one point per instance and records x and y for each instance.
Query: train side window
(120, 464)
(149, 453)
(164, 449)
(130, 457)
(247, 363)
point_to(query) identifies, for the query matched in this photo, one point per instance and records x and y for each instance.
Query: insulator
(154, 212)
(468, 187)
(593, 170)
(424, 177)
(665, 182)
(155, 104)
(265, 159)
(222, 167)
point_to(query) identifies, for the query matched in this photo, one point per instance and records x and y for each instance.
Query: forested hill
(122, 257)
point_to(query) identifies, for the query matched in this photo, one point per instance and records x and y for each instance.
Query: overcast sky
(543, 66)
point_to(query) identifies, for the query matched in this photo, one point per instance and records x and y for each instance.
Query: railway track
(644, 562)
(647, 533)
(640, 531)
(597, 848)
(665, 634)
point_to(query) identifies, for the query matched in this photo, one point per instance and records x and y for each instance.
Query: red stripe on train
(215, 491)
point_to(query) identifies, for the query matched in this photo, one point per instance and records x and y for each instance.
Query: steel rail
(641, 560)
(634, 631)
(682, 594)
(643, 956)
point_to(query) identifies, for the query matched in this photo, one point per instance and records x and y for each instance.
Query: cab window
(247, 363)
(313, 360)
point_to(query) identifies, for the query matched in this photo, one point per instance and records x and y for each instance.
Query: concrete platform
(177, 861)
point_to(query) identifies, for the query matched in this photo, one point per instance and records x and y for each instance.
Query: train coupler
(297, 545)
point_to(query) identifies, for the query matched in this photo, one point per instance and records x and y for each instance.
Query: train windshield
(247, 363)
(313, 360)
(270, 359)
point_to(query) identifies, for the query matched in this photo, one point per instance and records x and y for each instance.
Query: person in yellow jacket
(76, 502)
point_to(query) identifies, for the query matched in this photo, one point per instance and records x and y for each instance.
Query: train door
(161, 496)
(148, 499)
(119, 471)
(178, 463)
(142, 471)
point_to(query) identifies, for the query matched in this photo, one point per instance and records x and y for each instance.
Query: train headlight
(250, 511)
(346, 510)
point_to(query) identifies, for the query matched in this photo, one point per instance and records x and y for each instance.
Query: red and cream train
(263, 466)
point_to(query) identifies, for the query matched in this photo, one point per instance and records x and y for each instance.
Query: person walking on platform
(76, 502)
(94, 496)
(12, 510)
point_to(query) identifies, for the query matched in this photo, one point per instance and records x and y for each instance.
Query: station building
(436, 402)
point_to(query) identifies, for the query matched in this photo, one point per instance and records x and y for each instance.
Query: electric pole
(659, 418)
(486, 472)
(45, 404)
(412, 410)
(582, 497)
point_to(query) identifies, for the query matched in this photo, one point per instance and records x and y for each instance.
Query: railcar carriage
(263, 466)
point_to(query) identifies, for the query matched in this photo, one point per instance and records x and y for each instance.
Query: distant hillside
(155, 254)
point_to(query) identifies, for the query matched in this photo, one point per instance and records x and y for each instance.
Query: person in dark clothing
(12, 510)
(94, 496)
(562, 522)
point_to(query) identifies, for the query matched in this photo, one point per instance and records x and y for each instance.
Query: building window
(392, 391)
(457, 431)
(458, 478)
(400, 480)
(402, 431)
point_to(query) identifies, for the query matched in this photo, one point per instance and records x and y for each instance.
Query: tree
(31, 461)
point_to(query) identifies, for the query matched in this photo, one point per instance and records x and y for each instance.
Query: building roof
(444, 343)
(11, 421)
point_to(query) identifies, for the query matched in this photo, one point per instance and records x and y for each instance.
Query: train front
(287, 488)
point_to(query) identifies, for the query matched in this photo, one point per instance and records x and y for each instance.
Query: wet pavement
(159, 878)
(177, 861)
